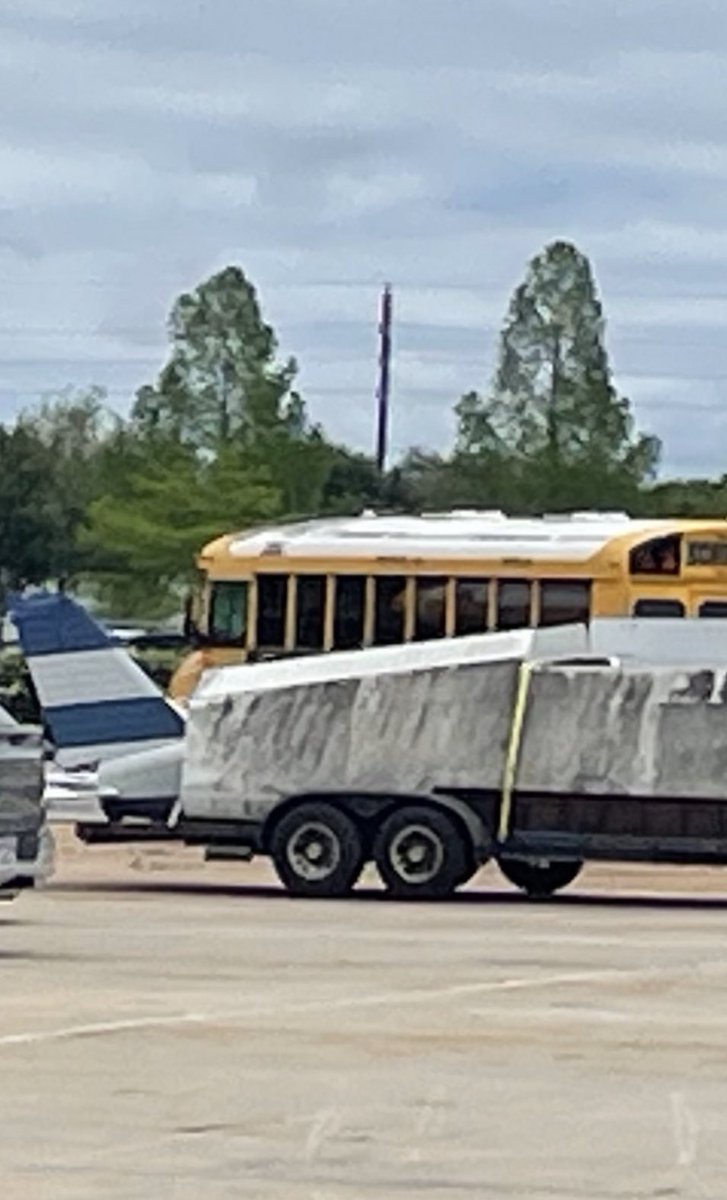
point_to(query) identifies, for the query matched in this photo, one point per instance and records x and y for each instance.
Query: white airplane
(118, 740)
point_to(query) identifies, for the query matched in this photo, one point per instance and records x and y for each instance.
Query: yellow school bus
(340, 583)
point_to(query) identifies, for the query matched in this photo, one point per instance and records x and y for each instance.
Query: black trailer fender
(481, 837)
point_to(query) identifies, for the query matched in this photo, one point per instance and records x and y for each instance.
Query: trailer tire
(539, 879)
(317, 850)
(421, 853)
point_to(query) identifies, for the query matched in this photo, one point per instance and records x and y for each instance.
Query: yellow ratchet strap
(513, 748)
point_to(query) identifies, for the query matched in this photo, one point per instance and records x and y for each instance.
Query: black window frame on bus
(564, 610)
(717, 610)
(506, 603)
(658, 607)
(471, 605)
(430, 607)
(390, 604)
(310, 620)
(349, 611)
(352, 610)
(268, 617)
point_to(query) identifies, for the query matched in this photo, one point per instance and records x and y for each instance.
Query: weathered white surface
(664, 641)
(148, 774)
(466, 534)
(405, 718)
(414, 718)
(21, 779)
(380, 661)
(21, 804)
(658, 731)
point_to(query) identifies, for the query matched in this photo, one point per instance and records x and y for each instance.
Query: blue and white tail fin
(97, 702)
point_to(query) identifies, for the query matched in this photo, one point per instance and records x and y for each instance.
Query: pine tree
(553, 411)
(222, 382)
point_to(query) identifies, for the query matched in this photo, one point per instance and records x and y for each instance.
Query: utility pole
(382, 390)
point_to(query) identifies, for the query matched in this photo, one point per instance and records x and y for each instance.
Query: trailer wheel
(420, 852)
(317, 850)
(539, 878)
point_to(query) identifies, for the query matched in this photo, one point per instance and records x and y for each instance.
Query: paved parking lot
(169, 1031)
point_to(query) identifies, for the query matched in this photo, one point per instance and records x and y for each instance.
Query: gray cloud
(328, 146)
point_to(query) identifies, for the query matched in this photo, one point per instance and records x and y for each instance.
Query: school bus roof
(466, 534)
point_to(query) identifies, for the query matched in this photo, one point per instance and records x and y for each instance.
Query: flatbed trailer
(551, 837)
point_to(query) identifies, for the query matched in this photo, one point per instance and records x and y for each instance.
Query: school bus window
(659, 556)
(310, 612)
(563, 601)
(348, 620)
(389, 610)
(228, 613)
(272, 591)
(713, 608)
(431, 608)
(658, 608)
(513, 604)
(470, 606)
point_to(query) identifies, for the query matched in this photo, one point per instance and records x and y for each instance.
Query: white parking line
(94, 1029)
(344, 1003)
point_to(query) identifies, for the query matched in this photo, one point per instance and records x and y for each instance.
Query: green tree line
(222, 440)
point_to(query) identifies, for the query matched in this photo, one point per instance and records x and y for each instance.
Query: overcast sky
(327, 145)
